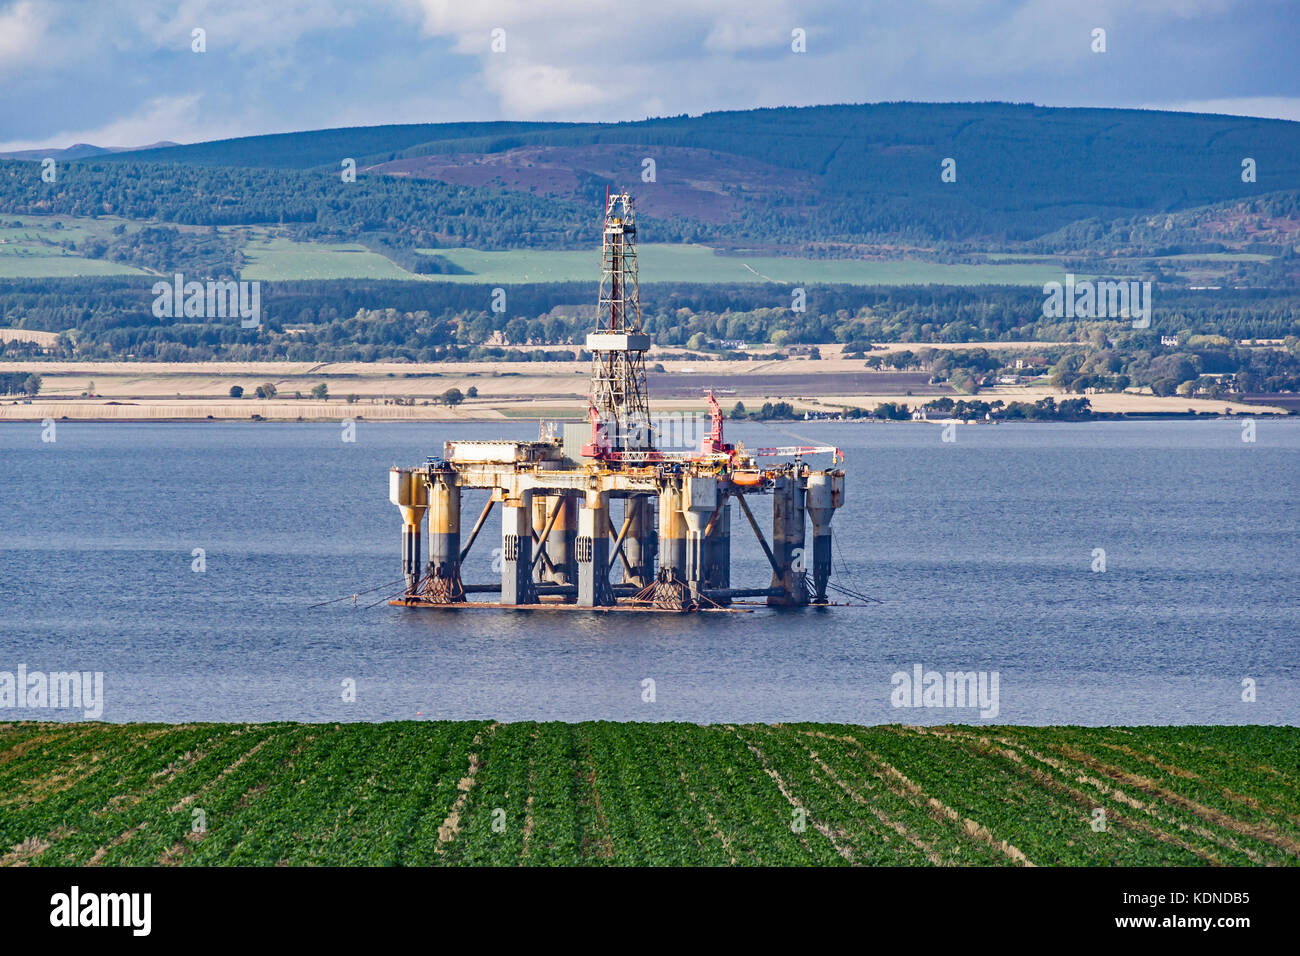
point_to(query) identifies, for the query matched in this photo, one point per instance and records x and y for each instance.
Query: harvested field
(133, 391)
(812, 382)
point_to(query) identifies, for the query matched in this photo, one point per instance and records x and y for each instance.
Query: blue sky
(122, 72)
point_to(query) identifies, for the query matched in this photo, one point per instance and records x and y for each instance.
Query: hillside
(844, 202)
(474, 793)
(80, 151)
(829, 173)
(327, 147)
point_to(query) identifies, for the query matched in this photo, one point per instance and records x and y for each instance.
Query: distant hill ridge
(82, 151)
(824, 174)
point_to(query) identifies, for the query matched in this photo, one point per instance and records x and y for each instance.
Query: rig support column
(699, 502)
(592, 548)
(559, 543)
(717, 550)
(407, 490)
(825, 494)
(442, 584)
(517, 551)
(788, 542)
(672, 533)
(639, 545)
(670, 588)
(541, 511)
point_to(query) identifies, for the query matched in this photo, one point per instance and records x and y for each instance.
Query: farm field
(28, 252)
(38, 262)
(272, 259)
(198, 390)
(475, 792)
(660, 262)
(63, 228)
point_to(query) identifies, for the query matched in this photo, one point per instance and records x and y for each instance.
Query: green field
(64, 228)
(1216, 257)
(280, 259)
(26, 251)
(19, 262)
(423, 793)
(693, 263)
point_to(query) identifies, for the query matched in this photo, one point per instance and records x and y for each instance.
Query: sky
(125, 72)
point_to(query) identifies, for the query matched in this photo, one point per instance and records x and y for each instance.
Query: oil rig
(669, 543)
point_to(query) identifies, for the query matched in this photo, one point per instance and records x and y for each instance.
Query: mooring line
(848, 592)
(853, 574)
(382, 600)
(386, 584)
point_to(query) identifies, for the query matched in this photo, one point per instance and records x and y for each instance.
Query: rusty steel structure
(602, 517)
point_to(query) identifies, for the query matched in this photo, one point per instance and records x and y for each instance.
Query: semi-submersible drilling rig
(672, 538)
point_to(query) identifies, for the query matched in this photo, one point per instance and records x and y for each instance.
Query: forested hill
(325, 147)
(810, 179)
(831, 173)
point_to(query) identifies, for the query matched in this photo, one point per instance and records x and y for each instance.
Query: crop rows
(480, 793)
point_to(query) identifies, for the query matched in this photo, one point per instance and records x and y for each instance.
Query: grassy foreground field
(424, 793)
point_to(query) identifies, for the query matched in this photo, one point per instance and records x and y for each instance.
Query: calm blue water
(981, 552)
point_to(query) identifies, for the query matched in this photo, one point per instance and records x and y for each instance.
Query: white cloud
(240, 25)
(760, 27)
(22, 32)
(295, 64)
(608, 60)
(176, 118)
(537, 89)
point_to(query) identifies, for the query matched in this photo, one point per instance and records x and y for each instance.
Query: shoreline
(498, 419)
(572, 410)
(503, 391)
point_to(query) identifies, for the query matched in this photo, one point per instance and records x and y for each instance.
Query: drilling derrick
(620, 414)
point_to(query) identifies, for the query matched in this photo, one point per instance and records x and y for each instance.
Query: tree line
(112, 319)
